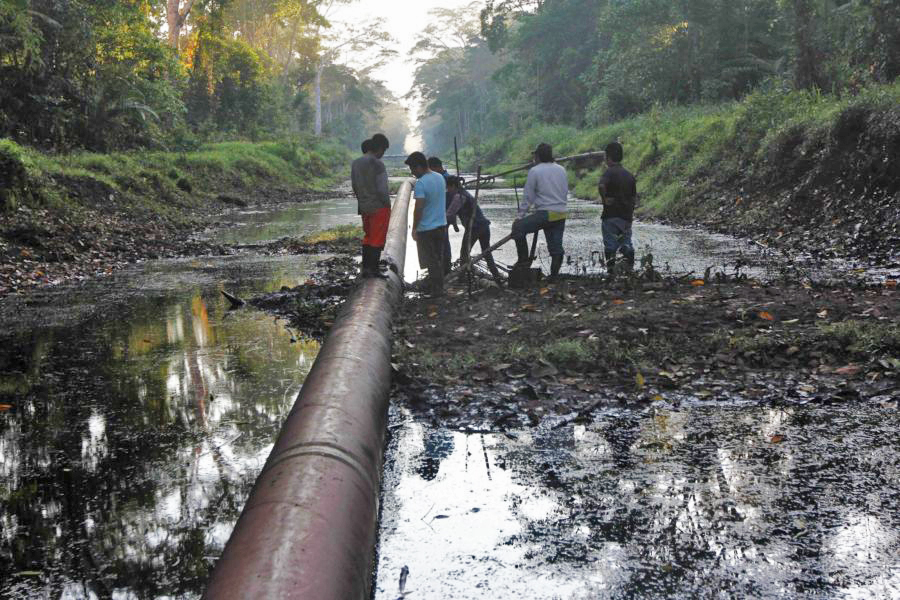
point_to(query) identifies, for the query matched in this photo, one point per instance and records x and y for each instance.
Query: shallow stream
(137, 411)
(140, 411)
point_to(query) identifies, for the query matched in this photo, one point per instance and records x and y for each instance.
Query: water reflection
(651, 503)
(136, 434)
(680, 249)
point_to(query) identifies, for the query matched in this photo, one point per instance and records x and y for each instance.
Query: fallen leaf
(4, 407)
(766, 316)
(639, 381)
(849, 370)
(822, 313)
(618, 301)
(544, 291)
(432, 315)
(698, 282)
(776, 439)
(892, 283)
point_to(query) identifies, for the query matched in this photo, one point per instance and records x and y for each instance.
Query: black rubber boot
(369, 266)
(629, 261)
(610, 260)
(555, 265)
(522, 251)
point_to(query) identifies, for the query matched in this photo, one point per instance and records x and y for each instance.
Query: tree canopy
(151, 73)
(586, 62)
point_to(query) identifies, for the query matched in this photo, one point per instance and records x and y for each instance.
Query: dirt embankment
(509, 359)
(827, 192)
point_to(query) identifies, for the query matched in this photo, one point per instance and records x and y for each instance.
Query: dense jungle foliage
(510, 65)
(105, 75)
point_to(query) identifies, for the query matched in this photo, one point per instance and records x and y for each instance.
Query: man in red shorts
(370, 184)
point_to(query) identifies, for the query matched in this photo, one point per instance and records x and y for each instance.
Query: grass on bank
(338, 234)
(669, 146)
(161, 181)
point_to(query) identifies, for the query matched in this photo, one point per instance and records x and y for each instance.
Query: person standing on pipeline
(370, 185)
(618, 191)
(546, 192)
(429, 220)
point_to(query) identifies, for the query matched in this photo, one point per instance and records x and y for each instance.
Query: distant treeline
(514, 63)
(107, 74)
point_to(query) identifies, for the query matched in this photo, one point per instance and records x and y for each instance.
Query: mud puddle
(704, 500)
(670, 437)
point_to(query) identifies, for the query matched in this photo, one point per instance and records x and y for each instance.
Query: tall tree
(177, 13)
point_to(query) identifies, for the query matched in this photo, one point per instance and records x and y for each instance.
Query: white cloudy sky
(403, 19)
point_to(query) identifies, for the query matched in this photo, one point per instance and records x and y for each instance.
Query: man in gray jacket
(546, 192)
(370, 184)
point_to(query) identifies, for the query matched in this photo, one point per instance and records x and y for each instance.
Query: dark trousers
(540, 219)
(430, 245)
(483, 236)
(447, 251)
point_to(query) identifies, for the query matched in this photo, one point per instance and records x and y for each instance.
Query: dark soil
(507, 359)
(312, 307)
(105, 231)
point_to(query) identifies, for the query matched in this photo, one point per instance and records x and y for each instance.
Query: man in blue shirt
(437, 166)
(429, 220)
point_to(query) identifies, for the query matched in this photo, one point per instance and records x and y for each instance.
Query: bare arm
(455, 205)
(417, 216)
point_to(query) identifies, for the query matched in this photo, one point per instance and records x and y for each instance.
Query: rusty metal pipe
(308, 528)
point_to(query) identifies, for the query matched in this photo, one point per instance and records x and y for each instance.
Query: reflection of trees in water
(674, 503)
(133, 448)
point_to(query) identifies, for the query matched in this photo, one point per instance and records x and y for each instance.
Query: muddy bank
(510, 359)
(822, 192)
(106, 231)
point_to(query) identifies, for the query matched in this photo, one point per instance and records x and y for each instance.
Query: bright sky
(403, 20)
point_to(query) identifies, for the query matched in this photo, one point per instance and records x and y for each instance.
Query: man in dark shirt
(618, 191)
(370, 184)
(462, 204)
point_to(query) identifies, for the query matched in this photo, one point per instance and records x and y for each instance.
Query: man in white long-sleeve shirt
(546, 194)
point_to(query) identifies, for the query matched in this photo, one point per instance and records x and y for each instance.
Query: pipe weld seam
(324, 450)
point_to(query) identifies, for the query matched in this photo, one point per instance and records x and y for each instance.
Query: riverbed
(138, 410)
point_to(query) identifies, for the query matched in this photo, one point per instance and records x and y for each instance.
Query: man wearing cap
(429, 220)
(546, 194)
(370, 184)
